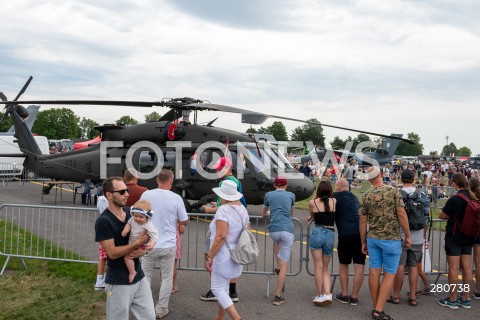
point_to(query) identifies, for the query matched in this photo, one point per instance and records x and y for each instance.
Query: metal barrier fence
(193, 257)
(439, 193)
(9, 171)
(436, 248)
(67, 233)
(48, 232)
(16, 172)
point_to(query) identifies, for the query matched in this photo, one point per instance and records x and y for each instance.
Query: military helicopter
(382, 154)
(85, 164)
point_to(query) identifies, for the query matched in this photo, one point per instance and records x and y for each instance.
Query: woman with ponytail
(322, 238)
(474, 188)
(458, 247)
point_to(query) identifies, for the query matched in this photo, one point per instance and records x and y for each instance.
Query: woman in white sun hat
(225, 229)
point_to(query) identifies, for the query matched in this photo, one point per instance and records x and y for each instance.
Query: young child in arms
(141, 213)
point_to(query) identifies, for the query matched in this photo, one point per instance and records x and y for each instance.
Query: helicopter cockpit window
(169, 161)
(204, 159)
(242, 162)
(147, 161)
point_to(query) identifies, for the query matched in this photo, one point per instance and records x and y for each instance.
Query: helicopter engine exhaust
(22, 112)
(159, 132)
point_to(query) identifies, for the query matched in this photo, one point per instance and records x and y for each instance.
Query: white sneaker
(99, 286)
(324, 300)
(161, 313)
(317, 299)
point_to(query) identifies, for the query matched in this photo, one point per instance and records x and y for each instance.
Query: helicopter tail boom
(26, 141)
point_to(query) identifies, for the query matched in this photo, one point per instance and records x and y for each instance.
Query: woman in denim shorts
(322, 237)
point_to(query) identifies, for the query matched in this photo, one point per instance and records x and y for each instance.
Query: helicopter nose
(301, 186)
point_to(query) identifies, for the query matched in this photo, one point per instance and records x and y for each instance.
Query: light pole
(447, 140)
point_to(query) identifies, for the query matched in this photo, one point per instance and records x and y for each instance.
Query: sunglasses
(122, 192)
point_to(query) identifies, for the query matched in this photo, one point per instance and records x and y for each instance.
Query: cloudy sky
(384, 66)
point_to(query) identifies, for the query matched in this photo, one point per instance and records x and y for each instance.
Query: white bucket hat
(228, 191)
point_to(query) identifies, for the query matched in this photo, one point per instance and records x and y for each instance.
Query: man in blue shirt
(349, 243)
(281, 204)
(305, 169)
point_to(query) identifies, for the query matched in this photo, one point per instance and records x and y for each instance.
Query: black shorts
(457, 247)
(350, 248)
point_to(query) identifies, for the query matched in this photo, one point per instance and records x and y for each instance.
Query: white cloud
(386, 66)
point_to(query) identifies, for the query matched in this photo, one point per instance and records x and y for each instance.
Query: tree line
(61, 123)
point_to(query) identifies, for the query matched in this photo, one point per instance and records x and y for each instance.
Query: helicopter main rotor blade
(3, 97)
(251, 117)
(25, 86)
(345, 128)
(89, 102)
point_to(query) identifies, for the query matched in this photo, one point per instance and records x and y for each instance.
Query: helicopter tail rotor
(21, 110)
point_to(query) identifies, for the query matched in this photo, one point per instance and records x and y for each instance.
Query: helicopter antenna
(211, 122)
(256, 144)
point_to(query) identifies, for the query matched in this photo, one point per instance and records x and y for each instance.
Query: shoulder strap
(315, 203)
(464, 197)
(243, 226)
(241, 220)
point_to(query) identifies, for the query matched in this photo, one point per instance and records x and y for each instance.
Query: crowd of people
(135, 237)
(59, 148)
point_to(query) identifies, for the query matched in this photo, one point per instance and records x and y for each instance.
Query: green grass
(47, 289)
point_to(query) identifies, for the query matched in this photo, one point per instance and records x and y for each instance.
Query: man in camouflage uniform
(383, 209)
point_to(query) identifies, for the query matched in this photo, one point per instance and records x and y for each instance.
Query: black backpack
(415, 204)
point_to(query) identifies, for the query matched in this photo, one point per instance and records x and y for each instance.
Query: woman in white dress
(225, 229)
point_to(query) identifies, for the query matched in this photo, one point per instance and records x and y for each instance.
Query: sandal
(394, 300)
(412, 302)
(417, 294)
(381, 315)
(175, 289)
(425, 291)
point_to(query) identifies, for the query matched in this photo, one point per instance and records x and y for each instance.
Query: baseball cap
(408, 175)
(221, 163)
(280, 181)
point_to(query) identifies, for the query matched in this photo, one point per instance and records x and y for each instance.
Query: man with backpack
(417, 206)
(458, 246)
